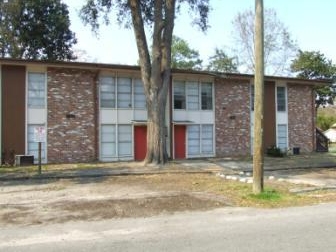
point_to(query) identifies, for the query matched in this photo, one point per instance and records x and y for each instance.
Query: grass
(267, 195)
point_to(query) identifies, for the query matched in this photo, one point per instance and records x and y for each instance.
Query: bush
(324, 122)
(274, 152)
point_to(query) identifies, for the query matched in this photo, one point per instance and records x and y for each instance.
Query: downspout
(97, 113)
(0, 114)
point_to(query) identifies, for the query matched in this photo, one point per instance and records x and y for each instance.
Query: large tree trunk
(155, 72)
(156, 129)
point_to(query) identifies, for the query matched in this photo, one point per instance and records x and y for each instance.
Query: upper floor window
(281, 98)
(193, 95)
(179, 95)
(139, 95)
(107, 92)
(206, 96)
(124, 93)
(121, 92)
(36, 90)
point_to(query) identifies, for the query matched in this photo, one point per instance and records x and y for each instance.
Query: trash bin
(296, 150)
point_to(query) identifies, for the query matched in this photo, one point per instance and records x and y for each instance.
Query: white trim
(281, 117)
(42, 122)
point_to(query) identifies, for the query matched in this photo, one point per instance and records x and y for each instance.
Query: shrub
(274, 151)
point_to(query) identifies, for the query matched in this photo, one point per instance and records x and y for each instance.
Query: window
(193, 95)
(124, 140)
(206, 96)
(108, 141)
(124, 93)
(139, 95)
(200, 139)
(32, 145)
(36, 90)
(194, 140)
(282, 136)
(179, 95)
(281, 98)
(107, 92)
(207, 139)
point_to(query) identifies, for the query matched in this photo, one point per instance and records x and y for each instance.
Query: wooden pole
(258, 150)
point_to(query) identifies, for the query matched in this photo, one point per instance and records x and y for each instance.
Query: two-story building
(97, 112)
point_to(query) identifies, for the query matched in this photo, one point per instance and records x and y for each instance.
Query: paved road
(227, 229)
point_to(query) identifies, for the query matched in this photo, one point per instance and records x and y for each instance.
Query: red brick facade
(301, 117)
(232, 104)
(72, 106)
(72, 112)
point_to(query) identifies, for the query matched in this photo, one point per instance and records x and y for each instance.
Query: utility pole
(258, 150)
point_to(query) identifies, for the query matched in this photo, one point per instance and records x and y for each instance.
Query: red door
(140, 142)
(179, 141)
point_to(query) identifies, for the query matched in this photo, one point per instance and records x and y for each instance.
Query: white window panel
(124, 93)
(206, 96)
(207, 139)
(36, 90)
(139, 95)
(179, 95)
(193, 95)
(193, 140)
(124, 140)
(107, 92)
(281, 98)
(282, 136)
(108, 141)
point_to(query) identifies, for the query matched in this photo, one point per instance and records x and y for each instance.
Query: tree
(314, 65)
(155, 62)
(258, 150)
(221, 62)
(35, 29)
(279, 48)
(183, 57)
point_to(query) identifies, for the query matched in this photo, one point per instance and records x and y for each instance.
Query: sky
(311, 24)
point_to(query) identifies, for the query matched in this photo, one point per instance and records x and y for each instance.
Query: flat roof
(105, 66)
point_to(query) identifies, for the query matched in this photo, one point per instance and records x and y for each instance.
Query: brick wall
(301, 117)
(71, 115)
(232, 99)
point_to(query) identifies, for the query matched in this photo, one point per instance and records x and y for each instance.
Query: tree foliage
(35, 29)
(279, 48)
(314, 65)
(221, 62)
(155, 62)
(184, 57)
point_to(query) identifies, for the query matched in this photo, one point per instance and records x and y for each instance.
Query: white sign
(39, 134)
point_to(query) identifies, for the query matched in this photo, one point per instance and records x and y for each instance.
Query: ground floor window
(32, 145)
(282, 136)
(200, 139)
(115, 141)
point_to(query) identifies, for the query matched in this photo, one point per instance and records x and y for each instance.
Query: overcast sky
(310, 22)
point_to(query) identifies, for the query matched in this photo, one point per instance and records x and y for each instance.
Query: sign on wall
(39, 134)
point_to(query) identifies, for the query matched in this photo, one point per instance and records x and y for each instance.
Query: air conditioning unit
(22, 160)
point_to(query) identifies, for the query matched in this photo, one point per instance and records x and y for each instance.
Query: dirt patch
(30, 202)
(103, 198)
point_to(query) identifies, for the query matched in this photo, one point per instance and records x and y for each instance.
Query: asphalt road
(227, 229)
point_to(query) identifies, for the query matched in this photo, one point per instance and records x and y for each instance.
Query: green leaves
(221, 62)
(183, 57)
(36, 30)
(314, 65)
